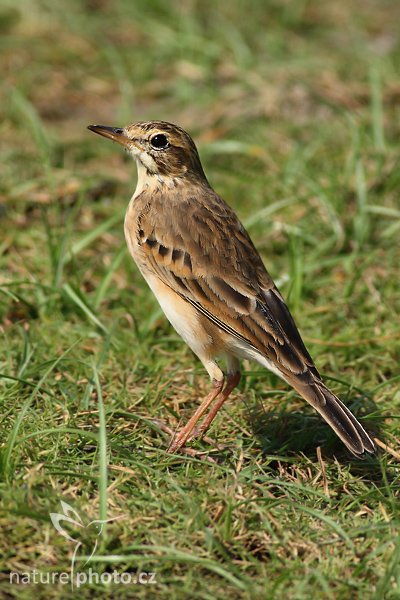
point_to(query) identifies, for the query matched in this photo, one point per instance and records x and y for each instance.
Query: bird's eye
(159, 141)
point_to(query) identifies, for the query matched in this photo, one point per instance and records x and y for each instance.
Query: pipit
(210, 281)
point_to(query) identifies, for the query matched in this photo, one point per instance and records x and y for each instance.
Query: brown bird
(210, 281)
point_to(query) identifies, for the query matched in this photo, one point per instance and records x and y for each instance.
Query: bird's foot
(178, 441)
(180, 445)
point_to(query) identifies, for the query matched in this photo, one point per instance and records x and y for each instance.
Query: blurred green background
(294, 106)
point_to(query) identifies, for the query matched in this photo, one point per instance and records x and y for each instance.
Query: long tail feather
(337, 415)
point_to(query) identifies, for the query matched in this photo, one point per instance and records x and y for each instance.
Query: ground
(295, 110)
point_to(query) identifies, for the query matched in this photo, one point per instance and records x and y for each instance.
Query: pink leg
(182, 436)
(232, 381)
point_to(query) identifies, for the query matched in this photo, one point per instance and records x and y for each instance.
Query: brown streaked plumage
(210, 281)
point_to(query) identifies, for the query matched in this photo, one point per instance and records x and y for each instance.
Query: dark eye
(159, 141)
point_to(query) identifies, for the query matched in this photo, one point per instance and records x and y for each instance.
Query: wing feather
(202, 251)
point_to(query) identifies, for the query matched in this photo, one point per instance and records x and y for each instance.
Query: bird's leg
(232, 380)
(181, 437)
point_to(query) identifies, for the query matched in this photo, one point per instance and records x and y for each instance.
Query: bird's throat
(150, 182)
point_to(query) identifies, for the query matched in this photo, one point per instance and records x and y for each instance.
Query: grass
(294, 106)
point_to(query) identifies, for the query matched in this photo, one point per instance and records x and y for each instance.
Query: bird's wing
(202, 252)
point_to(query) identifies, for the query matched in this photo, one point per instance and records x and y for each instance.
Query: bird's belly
(183, 317)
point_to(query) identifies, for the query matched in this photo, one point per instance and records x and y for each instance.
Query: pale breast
(182, 316)
(131, 230)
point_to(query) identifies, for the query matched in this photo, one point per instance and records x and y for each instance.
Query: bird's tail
(337, 415)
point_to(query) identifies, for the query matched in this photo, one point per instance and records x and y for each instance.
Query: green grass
(294, 106)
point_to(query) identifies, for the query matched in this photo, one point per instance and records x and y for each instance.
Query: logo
(70, 525)
(82, 533)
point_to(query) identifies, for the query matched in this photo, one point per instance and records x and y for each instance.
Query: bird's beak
(116, 134)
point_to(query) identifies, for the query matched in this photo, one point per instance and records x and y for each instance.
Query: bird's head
(164, 150)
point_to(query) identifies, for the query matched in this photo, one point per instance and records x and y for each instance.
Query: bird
(210, 281)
